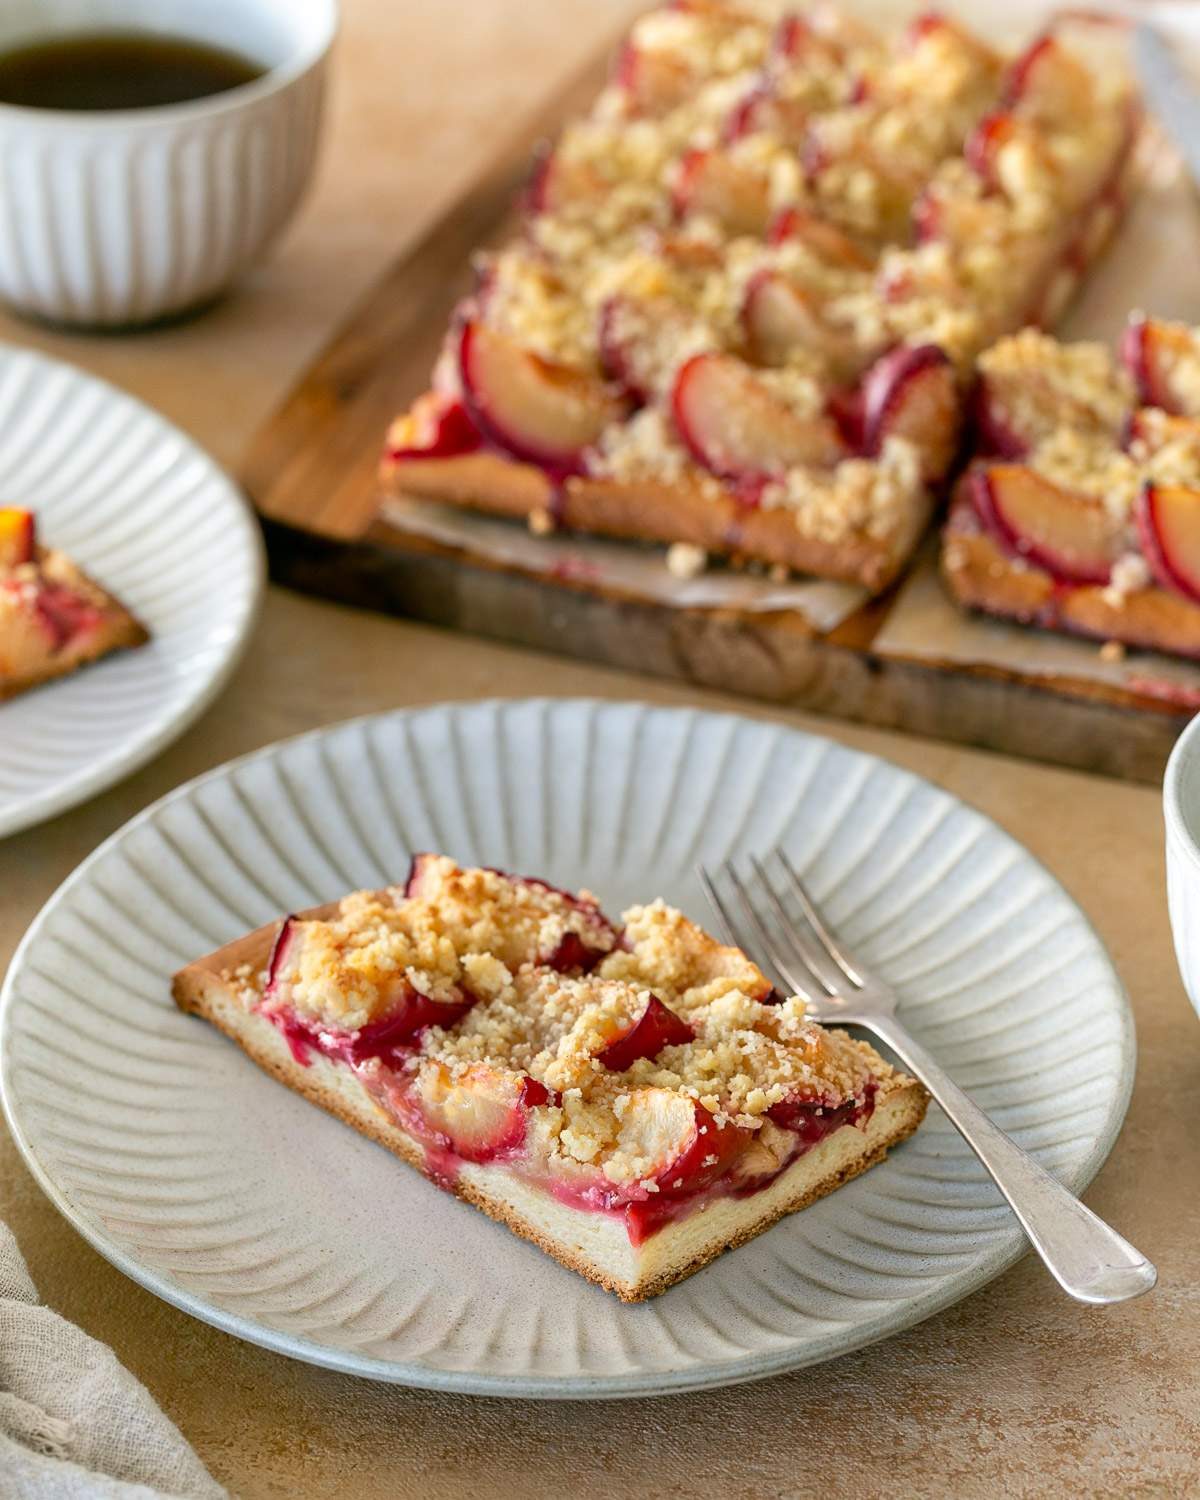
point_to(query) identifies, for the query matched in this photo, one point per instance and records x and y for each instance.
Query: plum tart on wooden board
(633, 1098)
(749, 287)
(53, 617)
(1081, 511)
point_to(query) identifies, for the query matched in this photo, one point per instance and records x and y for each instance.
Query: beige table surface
(1016, 1391)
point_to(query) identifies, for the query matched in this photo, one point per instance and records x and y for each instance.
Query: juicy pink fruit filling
(446, 433)
(573, 950)
(65, 613)
(410, 1012)
(495, 1130)
(62, 613)
(393, 1038)
(481, 1114)
(811, 1123)
(511, 401)
(705, 1170)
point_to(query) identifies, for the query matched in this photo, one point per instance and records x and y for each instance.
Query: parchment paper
(639, 571)
(926, 625)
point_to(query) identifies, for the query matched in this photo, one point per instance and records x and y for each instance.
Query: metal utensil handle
(1089, 1260)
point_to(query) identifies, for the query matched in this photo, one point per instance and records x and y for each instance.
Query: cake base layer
(118, 630)
(982, 575)
(595, 1244)
(657, 511)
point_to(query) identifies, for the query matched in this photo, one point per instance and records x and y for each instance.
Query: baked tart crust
(635, 1098)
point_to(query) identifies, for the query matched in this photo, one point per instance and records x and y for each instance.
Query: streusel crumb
(483, 938)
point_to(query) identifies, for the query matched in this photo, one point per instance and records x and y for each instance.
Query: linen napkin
(74, 1423)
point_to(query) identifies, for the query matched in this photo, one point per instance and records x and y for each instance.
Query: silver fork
(1089, 1260)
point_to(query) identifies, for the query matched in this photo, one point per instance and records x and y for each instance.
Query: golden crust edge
(658, 513)
(126, 635)
(123, 632)
(981, 575)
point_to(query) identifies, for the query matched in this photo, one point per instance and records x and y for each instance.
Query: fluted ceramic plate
(220, 1190)
(152, 518)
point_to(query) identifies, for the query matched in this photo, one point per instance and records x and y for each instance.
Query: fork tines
(781, 921)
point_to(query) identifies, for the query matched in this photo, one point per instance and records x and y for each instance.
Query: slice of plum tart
(634, 1098)
(53, 617)
(747, 288)
(1081, 509)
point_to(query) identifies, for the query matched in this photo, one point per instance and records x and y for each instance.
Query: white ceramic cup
(1181, 813)
(118, 217)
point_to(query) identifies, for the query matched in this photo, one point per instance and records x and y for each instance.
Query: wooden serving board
(311, 474)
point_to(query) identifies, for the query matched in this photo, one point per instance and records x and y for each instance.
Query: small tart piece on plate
(1081, 509)
(53, 617)
(634, 1098)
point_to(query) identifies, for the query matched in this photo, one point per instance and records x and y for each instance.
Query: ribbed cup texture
(228, 1195)
(122, 224)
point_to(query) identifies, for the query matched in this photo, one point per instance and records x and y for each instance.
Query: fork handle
(1089, 1260)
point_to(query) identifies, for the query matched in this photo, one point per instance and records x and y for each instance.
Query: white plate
(235, 1199)
(147, 513)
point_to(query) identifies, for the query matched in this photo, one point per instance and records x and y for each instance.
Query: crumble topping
(53, 567)
(543, 1023)
(645, 447)
(461, 928)
(1074, 407)
(1041, 386)
(528, 300)
(652, 215)
(709, 43)
(347, 971)
(685, 967)
(1130, 574)
(749, 1056)
(797, 387)
(488, 932)
(746, 1058)
(1168, 448)
(954, 74)
(665, 333)
(1089, 463)
(685, 560)
(865, 495)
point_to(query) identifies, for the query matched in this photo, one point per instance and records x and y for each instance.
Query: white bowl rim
(228, 102)
(1178, 831)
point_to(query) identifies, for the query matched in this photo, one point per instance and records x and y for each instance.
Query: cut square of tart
(1081, 510)
(748, 287)
(53, 617)
(634, 1099)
